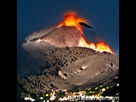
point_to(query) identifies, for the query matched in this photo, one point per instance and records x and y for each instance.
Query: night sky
(103, 15)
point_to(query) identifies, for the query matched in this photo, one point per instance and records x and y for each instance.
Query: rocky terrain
(70, 68)
(53, 58)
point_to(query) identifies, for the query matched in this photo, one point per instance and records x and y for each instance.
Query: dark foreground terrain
(67, 68)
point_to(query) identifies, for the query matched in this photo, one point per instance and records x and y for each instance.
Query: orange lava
(70, 19)
(100, 46)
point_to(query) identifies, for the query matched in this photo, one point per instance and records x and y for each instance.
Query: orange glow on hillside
(100, 46)
(70, 19)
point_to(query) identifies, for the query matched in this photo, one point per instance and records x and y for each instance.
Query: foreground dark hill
(34, 63)
(67, 68)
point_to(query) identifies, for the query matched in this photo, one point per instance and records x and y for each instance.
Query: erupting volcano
(61, 58)
(70, 19)
(67, 33)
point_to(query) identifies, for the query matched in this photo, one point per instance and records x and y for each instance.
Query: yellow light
(107, 87)
(101, 86)
(110, 97)
(96, 88)
(99, 94)
(90, 91)
(103, 89)
(111, 86)
(113, 100)
(47, 95)
(116, 77)
(41, 98)
(28, 95)
(117, 84)
(107, 97)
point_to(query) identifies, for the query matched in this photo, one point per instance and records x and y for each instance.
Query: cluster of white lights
(29, 98)
(77, 95)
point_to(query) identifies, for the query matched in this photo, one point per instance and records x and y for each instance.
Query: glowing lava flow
(70, 19)
(100, 46)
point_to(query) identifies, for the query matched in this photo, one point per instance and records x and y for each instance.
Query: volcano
(61, 58)
(67, 33)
